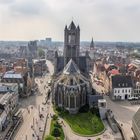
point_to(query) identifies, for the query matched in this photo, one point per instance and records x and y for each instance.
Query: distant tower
(71, 43)
(92, 47)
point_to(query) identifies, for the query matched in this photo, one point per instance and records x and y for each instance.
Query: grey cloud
(28, 8)
(106, 19)
(6, 1)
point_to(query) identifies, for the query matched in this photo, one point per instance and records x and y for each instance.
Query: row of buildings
(17, 81)
(121, 76)
(9, 97)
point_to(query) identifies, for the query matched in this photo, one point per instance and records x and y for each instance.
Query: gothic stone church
(71, 84)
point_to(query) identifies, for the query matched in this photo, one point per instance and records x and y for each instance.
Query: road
(100, 88)
(50, 67)
(32, 106)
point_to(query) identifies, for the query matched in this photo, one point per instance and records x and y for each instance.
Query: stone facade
(71, 50)
(71, 88)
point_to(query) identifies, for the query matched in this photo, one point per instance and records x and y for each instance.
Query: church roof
(71, 68)
(72, 26)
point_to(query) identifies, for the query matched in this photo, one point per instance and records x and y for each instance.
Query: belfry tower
(71, 43)
(92, 46)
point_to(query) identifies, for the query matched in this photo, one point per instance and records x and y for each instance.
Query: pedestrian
(37, 137)
(28, 110)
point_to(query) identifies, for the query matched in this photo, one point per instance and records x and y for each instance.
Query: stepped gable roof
(71, 68)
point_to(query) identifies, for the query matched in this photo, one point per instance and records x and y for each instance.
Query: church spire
(92, 44)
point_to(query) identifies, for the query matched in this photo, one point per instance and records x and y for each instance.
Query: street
(34, 125)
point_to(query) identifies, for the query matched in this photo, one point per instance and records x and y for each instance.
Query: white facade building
(121, 87)
(122, 93)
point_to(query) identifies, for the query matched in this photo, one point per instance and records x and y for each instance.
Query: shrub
(58, 109)
(56, 132)
(84, 109)
(49, 137)
(61, 111)
(56, 124)
(95, 111)
(98, 139)
(55, 117)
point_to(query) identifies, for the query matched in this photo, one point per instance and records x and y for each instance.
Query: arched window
(72, 101)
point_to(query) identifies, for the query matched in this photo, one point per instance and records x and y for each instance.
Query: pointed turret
(78, 28)
(72, 26)
(56, 54)
(66, 27)
(92, 45)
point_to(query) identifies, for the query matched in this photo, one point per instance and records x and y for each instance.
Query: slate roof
(83, 64)
(15, 76)
(121, 81)
(71, 68)
(60, 64)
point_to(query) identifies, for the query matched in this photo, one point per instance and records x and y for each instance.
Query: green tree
(55, 117)
(56, 124)
(56, 132)
(41, 52)
(49, 138)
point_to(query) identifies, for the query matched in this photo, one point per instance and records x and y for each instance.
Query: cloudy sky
(106, 20)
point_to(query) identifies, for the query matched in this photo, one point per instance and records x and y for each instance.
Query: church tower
(71, 43)
(92, 45)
